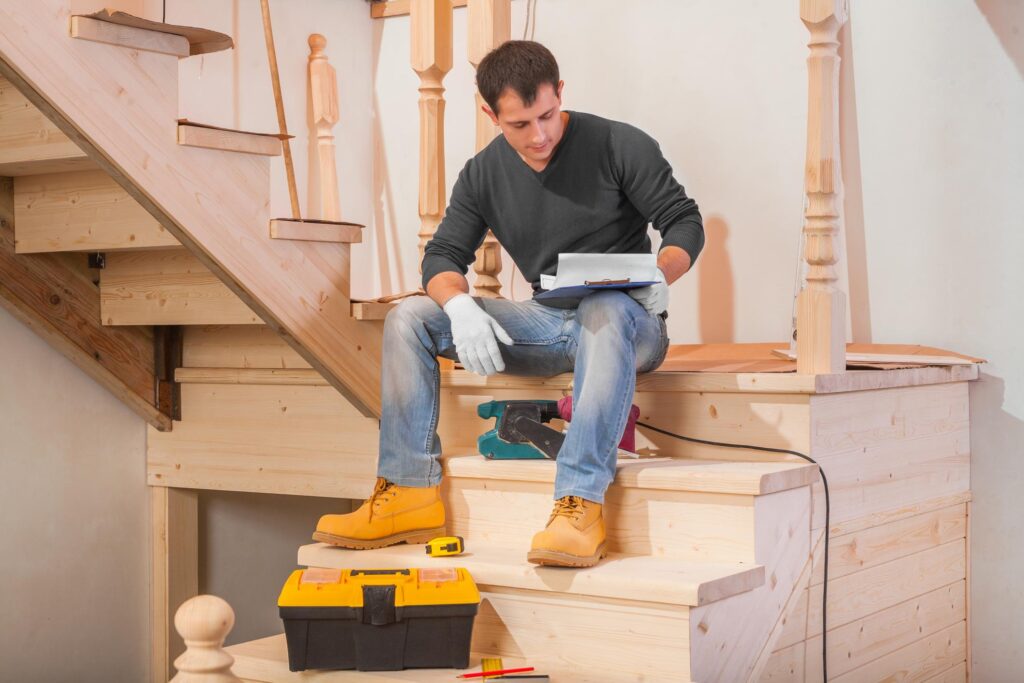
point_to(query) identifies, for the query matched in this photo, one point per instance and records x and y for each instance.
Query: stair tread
(627, 577)
(266, 660)
(677, 474)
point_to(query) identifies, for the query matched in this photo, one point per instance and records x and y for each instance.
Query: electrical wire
(828, 507)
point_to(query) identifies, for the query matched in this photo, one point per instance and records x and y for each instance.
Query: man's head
(519, 82)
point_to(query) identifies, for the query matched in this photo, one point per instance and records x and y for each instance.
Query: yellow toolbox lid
(344, 587)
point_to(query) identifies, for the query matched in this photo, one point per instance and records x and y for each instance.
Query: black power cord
(824, 481)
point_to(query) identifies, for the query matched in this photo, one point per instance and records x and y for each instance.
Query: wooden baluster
(821, 307)
(431, 33)
(490, 25)
(204, 622)
(323, 89)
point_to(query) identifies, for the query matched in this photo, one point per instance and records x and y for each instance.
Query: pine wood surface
(29, 142)
(316, 231)
(229, 140)
(371, 310)
(174, 536)
(87, 28)
(82, 211)
(166, 287)
(395, 8)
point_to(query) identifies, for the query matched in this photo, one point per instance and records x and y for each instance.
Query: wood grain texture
(54, 296)
(29, 142)
(238, 346)
(215, 204)
(316, 231)
(382, 9)
(86, 28)
(174, 533)
(229, 140)
(371, 310)
(82, 211)
(166, 287)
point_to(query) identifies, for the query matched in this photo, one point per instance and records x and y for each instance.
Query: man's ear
(558, 91)
(490, 114)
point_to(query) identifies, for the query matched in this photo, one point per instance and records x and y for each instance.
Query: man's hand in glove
(654, 297)
(476, 335)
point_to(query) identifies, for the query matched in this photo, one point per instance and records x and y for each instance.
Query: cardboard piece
(200, 40)
(759, 357)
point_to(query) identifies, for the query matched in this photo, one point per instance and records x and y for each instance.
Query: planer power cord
(824, 586)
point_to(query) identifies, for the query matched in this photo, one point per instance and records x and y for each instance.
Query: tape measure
(445, 545)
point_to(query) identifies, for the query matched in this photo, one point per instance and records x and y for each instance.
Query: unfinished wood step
(624, 577)
(310, 230)
(29, 142)
(81, 211)
(371, 310)
(166, 287)
(694, 510)
(134, 38)
(211, 137)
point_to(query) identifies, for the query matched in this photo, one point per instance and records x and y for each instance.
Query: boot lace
(568, 506)
(383, 491)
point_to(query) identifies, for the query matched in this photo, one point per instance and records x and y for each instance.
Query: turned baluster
(821, 306)
(204, 622)
(323, 89)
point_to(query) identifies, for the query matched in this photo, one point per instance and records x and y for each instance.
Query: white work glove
(654, 297)
(474, 333)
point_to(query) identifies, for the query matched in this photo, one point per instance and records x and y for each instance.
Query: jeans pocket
(663, 344)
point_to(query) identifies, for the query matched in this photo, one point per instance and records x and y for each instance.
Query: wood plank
(954, 674)
(295, 440)
(371, 310)
(29, 142)
(229, 140)
(87, 28)
(316, 231)
(785, 665)
(82, 211)
(238, 346)
(382, 9)
(920, 359)
(175, 571)
(54, 296)
(865, 592)
(861, 642)
(257, 376)
(166, 287)
(218, 209)
(916, 662)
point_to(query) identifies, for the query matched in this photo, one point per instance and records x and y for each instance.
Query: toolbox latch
(379, 605)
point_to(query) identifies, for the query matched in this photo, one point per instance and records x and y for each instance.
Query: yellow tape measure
(491, 664)
(445, 545)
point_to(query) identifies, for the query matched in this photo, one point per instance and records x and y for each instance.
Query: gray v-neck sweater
(605, 181)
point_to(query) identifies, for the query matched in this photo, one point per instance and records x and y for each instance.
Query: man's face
(532, 131)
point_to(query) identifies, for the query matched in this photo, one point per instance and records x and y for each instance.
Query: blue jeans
(605, 341)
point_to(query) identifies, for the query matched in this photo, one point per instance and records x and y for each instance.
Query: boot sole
(416, 536)
(553, 558)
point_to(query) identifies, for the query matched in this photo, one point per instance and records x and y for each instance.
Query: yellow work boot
(393, 514)
(574, 536)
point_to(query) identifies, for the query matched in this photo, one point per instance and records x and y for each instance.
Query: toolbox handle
(377, 572)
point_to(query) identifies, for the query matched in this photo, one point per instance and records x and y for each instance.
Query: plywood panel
(268, 439)
(919, 661)
(82, 211)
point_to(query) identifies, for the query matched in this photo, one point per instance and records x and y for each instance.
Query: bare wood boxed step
(82, 211)
(29, 142)
(54, 296)
(166, 287)
(151, 34)
(371, 310)
(211, 137)
(311, 230)
(88, 28)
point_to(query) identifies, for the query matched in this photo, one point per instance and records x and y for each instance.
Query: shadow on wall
(853, 193)
(716, 296)
(1006, 17)
(997, 470)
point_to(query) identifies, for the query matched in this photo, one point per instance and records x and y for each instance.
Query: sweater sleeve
(646, 177)
(458, 236)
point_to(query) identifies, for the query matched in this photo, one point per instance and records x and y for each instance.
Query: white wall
(74, 521)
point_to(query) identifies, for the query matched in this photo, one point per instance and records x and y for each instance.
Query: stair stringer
(119, 105)
(727, 636)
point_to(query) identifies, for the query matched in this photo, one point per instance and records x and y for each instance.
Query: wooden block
(29, 142)
(295, 440)
(87, 28)
(238, 346)
(371, 310)
(228, 140)
(82, 211)
(316, 231)
(166, 287)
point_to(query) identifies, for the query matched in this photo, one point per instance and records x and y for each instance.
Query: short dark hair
(522, 65)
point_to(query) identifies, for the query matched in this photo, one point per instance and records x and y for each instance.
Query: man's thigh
(541, 335)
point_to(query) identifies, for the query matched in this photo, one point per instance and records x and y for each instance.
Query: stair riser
(687, 525)
(584, 640)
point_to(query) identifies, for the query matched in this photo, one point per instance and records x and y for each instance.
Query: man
(555, 181)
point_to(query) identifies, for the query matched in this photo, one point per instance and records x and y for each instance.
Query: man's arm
(674, 262)
(445, 285)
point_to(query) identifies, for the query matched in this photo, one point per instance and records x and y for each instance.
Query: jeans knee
(410, 315)
(608, 308)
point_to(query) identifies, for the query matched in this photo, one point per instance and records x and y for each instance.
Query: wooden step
(88, 28)
(211, 137)
(624, 577)
(81, 211)
(689, 509)
(166, 287)
(266, 660)
(316, 231)
(29, 142)
(371, 310)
